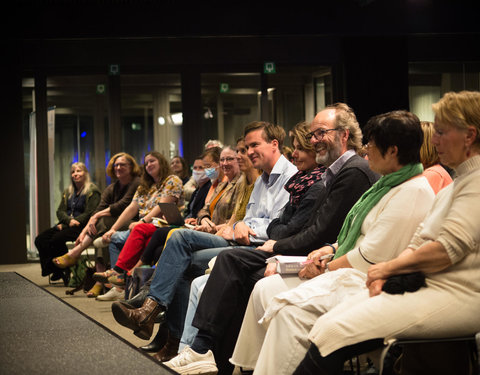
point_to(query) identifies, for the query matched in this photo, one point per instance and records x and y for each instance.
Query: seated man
(264, 140)
(377, 229)
(336, 136)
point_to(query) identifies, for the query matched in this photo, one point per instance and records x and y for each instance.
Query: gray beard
(330, 156)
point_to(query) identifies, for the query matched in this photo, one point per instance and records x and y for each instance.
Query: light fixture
(161, 120)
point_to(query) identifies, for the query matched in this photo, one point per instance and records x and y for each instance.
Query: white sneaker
(113, 294)
(99, 243)
(189, 362)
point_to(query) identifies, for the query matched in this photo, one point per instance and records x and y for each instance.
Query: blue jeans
(185, 256)
(117, 241)
(189, 331)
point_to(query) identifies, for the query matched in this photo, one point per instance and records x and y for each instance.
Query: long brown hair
(147, 181)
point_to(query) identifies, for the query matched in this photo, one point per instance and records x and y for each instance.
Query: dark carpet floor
(40, 334)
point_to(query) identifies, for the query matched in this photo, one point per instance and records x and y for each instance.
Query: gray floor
(41, 333)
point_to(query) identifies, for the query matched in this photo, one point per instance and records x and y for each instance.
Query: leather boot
(169, 350)
(158, 341)
(140, 320)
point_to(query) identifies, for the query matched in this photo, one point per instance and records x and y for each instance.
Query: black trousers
(51, 244)
(225, 297)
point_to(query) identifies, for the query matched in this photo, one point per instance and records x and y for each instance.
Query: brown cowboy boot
(169, 350)
(140, 320)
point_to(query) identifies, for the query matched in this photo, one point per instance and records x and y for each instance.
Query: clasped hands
(315, 266)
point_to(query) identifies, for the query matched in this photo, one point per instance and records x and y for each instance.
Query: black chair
(468, 347)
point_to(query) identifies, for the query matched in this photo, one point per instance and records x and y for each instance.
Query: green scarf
(353, 222)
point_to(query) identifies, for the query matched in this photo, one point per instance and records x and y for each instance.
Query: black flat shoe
(66, 277)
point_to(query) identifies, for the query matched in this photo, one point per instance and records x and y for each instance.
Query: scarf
(299, 183)
(353, 222)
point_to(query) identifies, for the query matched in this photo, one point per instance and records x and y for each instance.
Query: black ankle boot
(158, 342)
(138, 299)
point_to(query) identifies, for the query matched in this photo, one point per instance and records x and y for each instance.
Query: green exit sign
(224, 87)
(269, 68)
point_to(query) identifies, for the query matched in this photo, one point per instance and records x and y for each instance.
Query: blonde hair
(136, 171)
(428, 152)
(461, 110)
(88, 181)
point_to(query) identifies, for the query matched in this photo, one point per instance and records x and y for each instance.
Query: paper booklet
(288, 263)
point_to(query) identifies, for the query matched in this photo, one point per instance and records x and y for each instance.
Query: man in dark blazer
(336, 135)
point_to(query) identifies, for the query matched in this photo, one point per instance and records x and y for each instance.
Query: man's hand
(191, 221)
(271, 269)
(267, 246)
(226, 232)
(242, 232)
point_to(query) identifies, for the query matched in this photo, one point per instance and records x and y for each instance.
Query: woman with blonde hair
(78, 202)
(125, 172)
(436, 174)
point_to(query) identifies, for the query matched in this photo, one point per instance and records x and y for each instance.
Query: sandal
(96, 290)
(117, 279)
(102, 277)
(65, 261)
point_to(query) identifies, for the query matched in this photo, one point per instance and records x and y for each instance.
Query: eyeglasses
(230, 159)
(119, 165)
(319, 134)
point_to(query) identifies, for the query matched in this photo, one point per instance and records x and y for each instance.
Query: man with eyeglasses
(336, 136)
(187, 252)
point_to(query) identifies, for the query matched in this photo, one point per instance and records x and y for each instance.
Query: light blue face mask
(211, 173)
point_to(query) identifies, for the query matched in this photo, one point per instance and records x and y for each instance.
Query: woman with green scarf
(378, 227)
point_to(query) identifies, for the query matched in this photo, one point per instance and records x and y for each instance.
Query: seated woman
(445, 248)
(377, 228)
(125, 172)
(436, 174)
(78, 202)
(294, 216)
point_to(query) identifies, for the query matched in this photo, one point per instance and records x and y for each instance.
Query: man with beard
(336, 136)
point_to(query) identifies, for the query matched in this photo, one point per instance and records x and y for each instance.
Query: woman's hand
(310, 271)
(379, 271)
(270, 270)
(207, 226)
(191, 221)
(134, 224)
(73, 223)
(375, 287)
(267, 246)
(80, 238)
(108, 235)
(91, 226)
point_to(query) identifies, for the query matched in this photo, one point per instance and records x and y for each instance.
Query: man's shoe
(158, 341)
(113, 294)
(191, 362)
(139, 320)
(169, 350)
(138, 299)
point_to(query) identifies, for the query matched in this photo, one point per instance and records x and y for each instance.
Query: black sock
(203, 342)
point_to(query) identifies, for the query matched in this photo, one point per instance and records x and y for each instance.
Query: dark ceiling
(43, 19)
